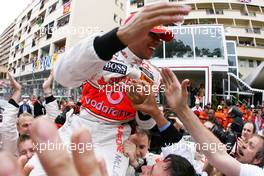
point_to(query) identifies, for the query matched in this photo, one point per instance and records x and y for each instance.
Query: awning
(256, 78)
(242, 85)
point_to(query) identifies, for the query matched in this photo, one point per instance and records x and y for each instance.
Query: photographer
(228, 137)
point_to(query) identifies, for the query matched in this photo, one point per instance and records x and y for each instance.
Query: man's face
(142, 144)
(247, 153)
(26, 148)
(158, 169)
(33, 99)
(24, 125)
(247, 131)
(145, 47)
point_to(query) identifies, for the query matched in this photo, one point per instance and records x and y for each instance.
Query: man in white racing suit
(104, 63)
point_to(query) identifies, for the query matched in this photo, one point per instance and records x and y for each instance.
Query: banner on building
(66, 8)
(54, 58)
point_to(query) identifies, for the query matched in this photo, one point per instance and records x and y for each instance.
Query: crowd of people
(126, 132)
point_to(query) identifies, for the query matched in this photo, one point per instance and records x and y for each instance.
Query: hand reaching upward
(16, 88)
(47, 85)
(176, 93)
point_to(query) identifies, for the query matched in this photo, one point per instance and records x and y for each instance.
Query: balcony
(250, 51)
(244, 32)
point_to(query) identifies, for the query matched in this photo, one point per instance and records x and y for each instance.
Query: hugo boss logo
(115, 68)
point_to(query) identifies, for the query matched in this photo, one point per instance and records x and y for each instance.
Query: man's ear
(256, 161)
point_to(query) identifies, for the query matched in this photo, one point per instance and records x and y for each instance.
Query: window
(42, 4)
(219, 11)
(39, 20)
(208, 43)
(23, 67)
(256, 30)
(252, 14)
(29, 14)
(49, 29)
(230, 48)
(251, 63)
(115, 18)
(33, 43)
(25, 29)
(258, 62)
(63, 21)
(249, 30)
(65, 1)
(29, 29)
(209, 11)
(243, 63)
(52, 8)
(232, 60)
(181, 46)
(233, 70)
(243, 13)
(121, 6)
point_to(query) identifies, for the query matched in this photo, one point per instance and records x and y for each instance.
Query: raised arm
(9, 129)
(145, 102)
(51, 106)
(176, 96)
(87, 58)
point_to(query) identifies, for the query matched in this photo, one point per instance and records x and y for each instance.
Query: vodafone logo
(114, 97)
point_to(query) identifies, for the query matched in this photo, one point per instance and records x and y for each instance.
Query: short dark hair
(143, 132)
(23, 138)
(260, 153)
(179, 166)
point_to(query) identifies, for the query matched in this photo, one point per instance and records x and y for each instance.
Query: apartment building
(5, 45)
(242, 49)
(243, 21)
(46, 28)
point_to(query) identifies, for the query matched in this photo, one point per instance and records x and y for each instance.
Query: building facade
(243, 29)
(5, 45)
(46, 28)
(243, 22)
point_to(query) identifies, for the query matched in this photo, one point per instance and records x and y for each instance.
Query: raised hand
(47, 85)
(16, 88)
(176, 93)
(150, 16)
(14, 84)
(137, 91)
(10, 166)
(143, 100)
(130, 151)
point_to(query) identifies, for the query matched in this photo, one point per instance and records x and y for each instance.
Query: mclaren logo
(115, 68)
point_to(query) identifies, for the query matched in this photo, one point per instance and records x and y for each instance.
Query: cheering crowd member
(250, 159)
